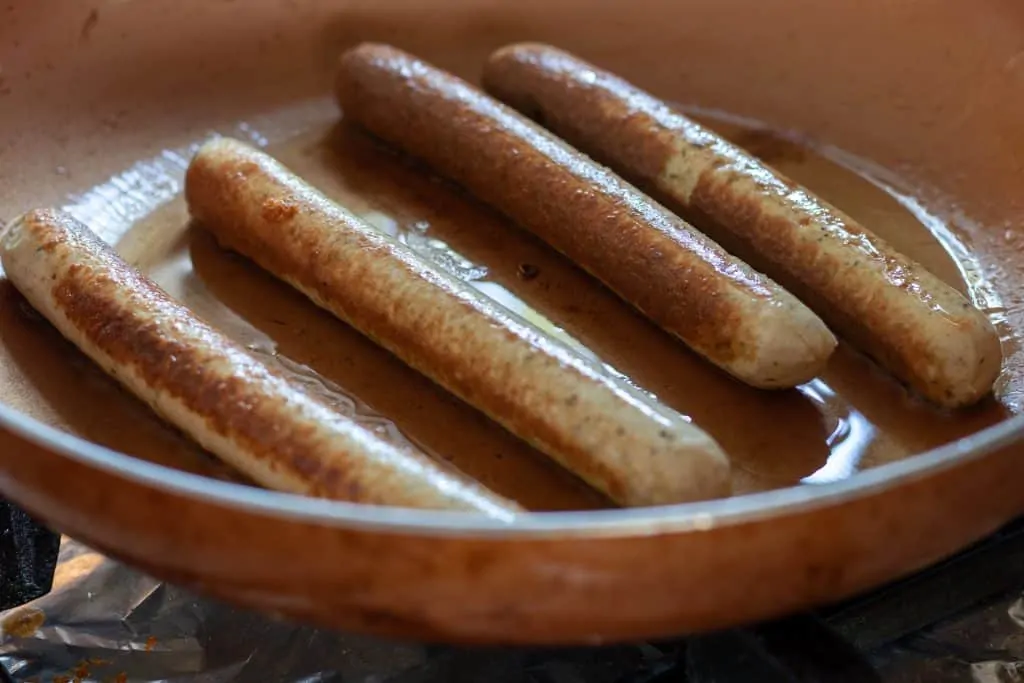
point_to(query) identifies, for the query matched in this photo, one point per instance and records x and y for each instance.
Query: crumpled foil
(104, 622)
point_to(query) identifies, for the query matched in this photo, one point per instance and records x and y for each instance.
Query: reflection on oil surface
(850, 418)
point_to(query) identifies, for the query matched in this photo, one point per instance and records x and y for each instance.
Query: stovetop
(961, 620)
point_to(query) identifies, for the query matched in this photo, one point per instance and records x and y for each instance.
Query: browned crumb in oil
(150, 643)
(91, 20)
(527, 271)
(82, 670)
(23, 623)
(79, 674)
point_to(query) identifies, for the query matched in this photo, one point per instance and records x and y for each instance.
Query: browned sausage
(211, 388)
(619, 440)
(733, 316)
(912, 323)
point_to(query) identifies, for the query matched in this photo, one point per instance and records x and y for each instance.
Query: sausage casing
(635, 450)
(733, 316)
(919, 328)
(208, 386)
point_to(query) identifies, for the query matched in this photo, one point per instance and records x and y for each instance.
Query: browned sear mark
(83, 295)
(278, 210)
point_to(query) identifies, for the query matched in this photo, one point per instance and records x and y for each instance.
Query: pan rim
(674, 519)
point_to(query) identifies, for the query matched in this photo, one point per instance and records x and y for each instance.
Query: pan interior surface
(103, 102)
(850, 419)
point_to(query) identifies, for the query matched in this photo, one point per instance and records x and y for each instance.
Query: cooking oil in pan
(850, 418)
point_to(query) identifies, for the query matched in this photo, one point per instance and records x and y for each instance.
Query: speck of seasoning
(527, 271)
(150, 643)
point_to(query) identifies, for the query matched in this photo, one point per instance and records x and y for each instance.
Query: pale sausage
(211, 388)
(733, 316)
(919, 328)
(617, 439)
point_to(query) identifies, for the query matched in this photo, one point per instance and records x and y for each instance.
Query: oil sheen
(850, 418)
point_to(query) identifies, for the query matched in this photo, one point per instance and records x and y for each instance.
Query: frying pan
(100, 103)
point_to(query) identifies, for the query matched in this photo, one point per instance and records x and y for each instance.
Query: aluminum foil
(983, 645)
(104, 622)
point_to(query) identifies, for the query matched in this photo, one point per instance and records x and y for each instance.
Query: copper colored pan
(906, 114)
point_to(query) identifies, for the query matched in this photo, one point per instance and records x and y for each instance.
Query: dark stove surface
(28, 555)
(961, 620)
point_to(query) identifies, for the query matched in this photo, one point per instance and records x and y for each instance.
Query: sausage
(612, 436)
(211, 388)
(731, 315)
(923, 331)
